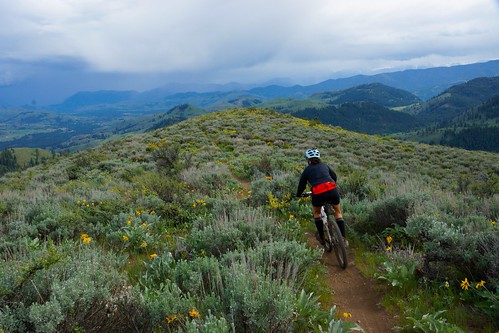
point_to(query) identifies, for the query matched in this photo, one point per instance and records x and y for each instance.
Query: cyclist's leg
(339, 219)
(337, 211)
(317, 211)
(338, 216)
(316, 205)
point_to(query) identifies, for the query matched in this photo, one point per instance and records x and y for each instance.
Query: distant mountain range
(424, 83)
(467, 110)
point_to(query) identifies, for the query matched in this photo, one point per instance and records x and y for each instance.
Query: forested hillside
(460, 98)
(375, 93)
(193, 228)
(465, 116)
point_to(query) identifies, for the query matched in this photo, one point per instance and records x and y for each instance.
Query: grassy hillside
(191, 228)
(14, 159)
(27, 156)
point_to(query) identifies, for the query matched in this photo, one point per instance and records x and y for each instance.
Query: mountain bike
(332, 234)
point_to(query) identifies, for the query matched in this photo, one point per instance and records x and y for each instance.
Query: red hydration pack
(324, 187)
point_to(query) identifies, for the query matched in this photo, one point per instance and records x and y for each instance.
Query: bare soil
(354, 294)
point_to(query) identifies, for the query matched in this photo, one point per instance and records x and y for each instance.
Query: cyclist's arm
(332, 173)
(301, 185)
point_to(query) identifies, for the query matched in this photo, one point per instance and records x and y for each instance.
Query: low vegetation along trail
(354, 295)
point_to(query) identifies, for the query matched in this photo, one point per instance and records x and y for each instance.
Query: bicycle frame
(332, 234)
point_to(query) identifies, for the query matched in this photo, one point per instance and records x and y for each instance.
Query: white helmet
(312, 152)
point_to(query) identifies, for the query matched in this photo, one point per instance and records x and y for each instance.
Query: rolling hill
(376, 93)
(163, 229)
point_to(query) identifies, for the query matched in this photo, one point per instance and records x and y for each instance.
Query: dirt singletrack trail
(354, 294)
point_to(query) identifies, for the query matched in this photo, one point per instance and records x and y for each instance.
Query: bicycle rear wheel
(336, 239)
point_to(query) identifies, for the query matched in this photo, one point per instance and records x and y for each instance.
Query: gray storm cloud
(250, 40)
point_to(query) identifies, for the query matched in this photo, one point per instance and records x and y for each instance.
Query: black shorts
(332, 196)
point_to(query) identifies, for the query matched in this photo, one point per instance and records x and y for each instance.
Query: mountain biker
(322, 179)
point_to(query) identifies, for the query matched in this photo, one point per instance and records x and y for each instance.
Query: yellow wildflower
(193, 313)
(129, 222)
(492, 222)
(291, 216)
(347, 315)
(125, 238)
(465, 284)
(388, 248)
(152, 256)
(87, 240)
(389, 239)
(143, 244)
(193, 205)
(144, 224)
(480, 284)
(169, 319)
(83, 236)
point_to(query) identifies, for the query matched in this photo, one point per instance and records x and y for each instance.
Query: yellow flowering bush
(85, 239)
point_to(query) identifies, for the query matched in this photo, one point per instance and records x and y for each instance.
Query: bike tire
(337, 242)
(328, 241)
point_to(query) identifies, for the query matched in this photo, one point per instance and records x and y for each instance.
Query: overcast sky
(246, 41)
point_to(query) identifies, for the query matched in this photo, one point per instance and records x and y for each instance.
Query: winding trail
(354, 294)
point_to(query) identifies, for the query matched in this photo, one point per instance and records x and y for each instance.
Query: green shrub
(281, 185)
(357, 186)
(457, 246)
(169, 158)
(210, 179)
(255, 303)
(166, 307)
(429, 322)
(209, 324)
(280, 260)
(389, 213)
(66, 289)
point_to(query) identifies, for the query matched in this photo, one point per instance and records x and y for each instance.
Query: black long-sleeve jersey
(315, 174)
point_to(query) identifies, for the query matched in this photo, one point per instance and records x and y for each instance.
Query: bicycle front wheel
(337, 242)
